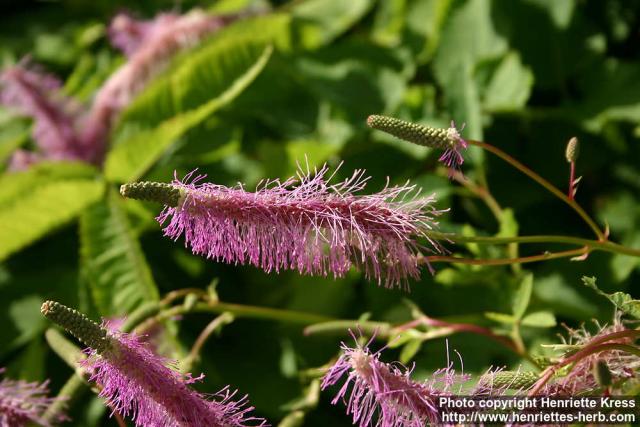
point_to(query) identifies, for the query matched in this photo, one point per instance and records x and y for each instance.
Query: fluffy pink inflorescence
(149, 45)
(306, 224)
(581, 379)
(383, 394)
(23, 402)
(58, 119)
(138, 383)
(452, 156)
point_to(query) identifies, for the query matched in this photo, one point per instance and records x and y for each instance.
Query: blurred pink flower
(58, 120)
(386, 391)
(22, 402)
(149, 46)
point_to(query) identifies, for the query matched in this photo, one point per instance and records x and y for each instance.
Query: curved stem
(504, 261)
(594, 245)
(213, 326)
(543, 182)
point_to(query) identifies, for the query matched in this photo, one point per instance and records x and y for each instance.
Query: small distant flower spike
(23, 403)
(374, 389)
(303, 223)
(138, 383)
(443, 139)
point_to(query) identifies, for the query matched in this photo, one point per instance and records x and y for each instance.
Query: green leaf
(410, 349)
(389, 22)
(510, 86)
(205, 82)
(118, 275)
(318, 22)
(539, 319)
(508, 224)
(523, 296)
(14, 185)
(555, 294)
(623, 301)
(13, 134)
(507, 319)
(38, 201)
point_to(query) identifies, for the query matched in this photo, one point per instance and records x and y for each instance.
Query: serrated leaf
(113, 262)
(204, 83)
(539, 319)
(523, 296)
(33, 204)
(621, 300)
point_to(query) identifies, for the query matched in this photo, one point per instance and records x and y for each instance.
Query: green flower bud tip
(602, 374)
(160, 192)
(445, 139)
(79, 325)
(514, 380)
(572, 151)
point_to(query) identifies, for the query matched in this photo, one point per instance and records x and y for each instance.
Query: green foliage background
(524, 75)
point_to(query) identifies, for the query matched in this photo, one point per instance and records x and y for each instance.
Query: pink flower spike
(139, 384)
(383, 394)
(22, 403)
(304, 224)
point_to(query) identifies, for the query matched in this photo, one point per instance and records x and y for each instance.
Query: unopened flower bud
(572, 151)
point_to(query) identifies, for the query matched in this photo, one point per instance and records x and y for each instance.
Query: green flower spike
(79, 325)
(513, 380)
(160, 192)
(444, 139)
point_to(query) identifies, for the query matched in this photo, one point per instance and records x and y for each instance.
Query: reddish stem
(572, 178)
(460, 327)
